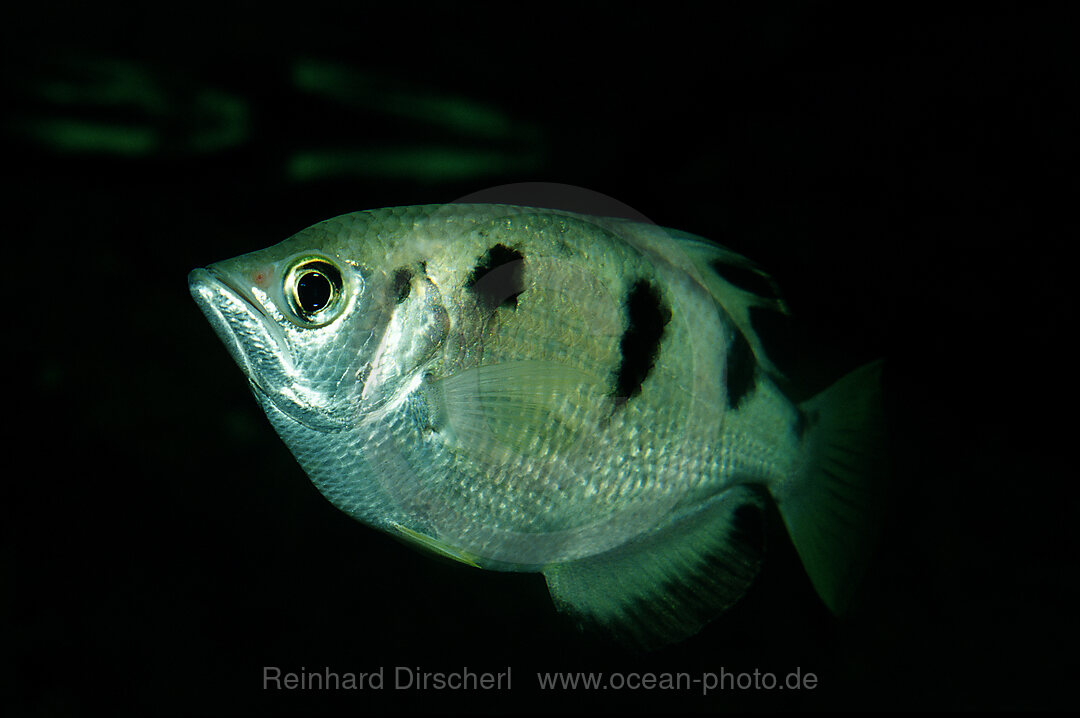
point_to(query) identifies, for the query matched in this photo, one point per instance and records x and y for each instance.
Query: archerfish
(526, 389)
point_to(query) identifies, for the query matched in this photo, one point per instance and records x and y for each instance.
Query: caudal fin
(834, 506)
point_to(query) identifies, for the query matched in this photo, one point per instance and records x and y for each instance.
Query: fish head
(306, 321)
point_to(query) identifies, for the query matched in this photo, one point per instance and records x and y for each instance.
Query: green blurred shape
(78, 136)
(429, 164)
(106, 82)
(158, 113)
(395, 99)
(227, 117)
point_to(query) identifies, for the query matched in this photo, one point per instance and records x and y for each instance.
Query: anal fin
(664, 587)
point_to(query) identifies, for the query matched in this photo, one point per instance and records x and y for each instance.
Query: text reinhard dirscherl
(409, 678)
(402, 678)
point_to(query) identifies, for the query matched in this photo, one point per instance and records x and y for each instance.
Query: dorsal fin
(737, 284)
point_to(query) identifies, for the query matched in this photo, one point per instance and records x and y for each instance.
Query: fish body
(537, 390)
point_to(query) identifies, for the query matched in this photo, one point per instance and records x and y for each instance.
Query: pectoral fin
(433, 545)
(508, 406)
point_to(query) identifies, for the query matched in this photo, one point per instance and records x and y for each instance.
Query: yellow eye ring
(314, 290)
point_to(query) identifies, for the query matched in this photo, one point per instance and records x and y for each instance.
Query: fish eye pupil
(313, 291)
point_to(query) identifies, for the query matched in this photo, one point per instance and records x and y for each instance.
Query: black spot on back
(804, 420)
(749, 524)
(745, 278)
(783, 340)
(401, 285)
(739, 367)
(798, 427)
(498, 278)
(647, 315)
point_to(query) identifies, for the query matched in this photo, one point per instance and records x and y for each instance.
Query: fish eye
(314, 290)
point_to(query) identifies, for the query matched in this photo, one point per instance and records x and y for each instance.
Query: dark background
(908, 175)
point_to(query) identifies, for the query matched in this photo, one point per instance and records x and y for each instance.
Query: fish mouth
(253, 339)
(210, 277)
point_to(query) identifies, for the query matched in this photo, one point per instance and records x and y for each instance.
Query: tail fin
(834, 507)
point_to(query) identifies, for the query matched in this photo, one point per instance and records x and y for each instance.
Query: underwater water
(903, 179)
